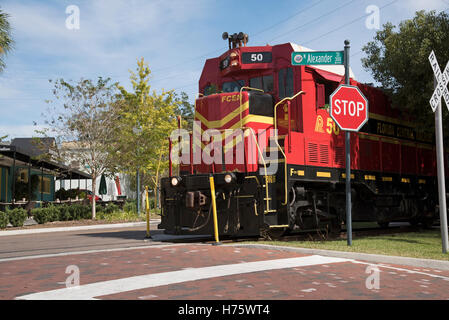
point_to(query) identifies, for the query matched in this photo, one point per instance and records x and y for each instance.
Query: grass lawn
(425, 244)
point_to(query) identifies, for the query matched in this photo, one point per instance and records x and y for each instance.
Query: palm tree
(6, 41)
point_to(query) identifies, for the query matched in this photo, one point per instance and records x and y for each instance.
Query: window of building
(285, 83)
(265, 83)
(45, 184)
(22, 175)
(232, 86)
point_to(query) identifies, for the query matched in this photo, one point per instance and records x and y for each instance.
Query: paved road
(72, 241)
(118, 264)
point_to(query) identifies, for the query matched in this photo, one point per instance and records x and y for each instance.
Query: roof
(34, 146)
(337, 69)
(63, 171)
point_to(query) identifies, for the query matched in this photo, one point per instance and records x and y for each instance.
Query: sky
(174, 37)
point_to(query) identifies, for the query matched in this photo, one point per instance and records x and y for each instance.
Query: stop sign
(349, 108)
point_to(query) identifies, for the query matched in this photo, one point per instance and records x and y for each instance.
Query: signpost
(440, 84)
(349, 109)
(317, 57)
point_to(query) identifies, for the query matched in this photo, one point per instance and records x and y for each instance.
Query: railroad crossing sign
(442, 79)
(440, 82)
(349, 108)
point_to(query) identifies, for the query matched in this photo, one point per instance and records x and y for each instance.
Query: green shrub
(65, 213)
(48, 214)
(61, 213)
(86, 211)
(3, 220)
(111, 207)
(39, 214)
(80, 211)
(130, 206)
(75, 211)
(52, 213)
(100, 215)
(17, 216)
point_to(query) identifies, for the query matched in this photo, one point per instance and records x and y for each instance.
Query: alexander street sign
(317, 57)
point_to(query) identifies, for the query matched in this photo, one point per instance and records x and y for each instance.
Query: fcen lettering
(234, 97)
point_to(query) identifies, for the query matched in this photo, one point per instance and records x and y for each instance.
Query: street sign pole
(348, 158)
(440, 169)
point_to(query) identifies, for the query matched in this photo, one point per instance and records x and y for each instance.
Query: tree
(399, 61)
(6, 41)
(185, 109)
(84, 124)
(145, 120)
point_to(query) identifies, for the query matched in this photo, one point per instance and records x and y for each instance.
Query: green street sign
(317, 57)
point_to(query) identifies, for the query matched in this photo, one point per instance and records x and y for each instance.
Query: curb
(76, 228)
(369, 257)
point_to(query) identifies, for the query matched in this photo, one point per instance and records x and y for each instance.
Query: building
(28, 171)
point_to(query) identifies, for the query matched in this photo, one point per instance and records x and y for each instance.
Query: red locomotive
(280, 161)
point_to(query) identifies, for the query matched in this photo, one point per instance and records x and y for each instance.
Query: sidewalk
(76, 228)
(369, 257)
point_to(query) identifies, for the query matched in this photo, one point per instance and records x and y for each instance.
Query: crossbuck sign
(440, 84)
(442, 79)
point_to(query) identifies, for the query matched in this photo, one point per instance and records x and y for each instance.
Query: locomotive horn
(225, 36)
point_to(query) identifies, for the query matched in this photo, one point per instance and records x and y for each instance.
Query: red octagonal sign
(349, 108)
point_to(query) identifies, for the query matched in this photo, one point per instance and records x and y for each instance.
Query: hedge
(61, 213)
(65, 213)
(39, 215)
(17, 216)
(3, 220)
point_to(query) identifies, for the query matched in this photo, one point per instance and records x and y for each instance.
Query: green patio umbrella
(102, 189)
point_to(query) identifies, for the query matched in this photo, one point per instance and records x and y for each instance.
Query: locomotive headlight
(228, 178)
(175, 181)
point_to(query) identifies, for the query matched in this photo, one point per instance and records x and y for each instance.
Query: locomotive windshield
(233, 86)
(265, 83)
(285, 83)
